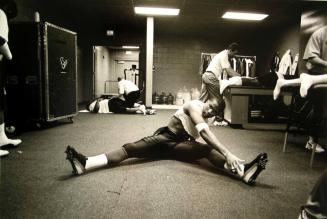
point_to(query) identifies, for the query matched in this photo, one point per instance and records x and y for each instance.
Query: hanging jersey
(285, 63)
(247, 67)
(294, 64)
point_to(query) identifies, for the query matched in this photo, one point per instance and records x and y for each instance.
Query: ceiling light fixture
(156, 11)
(110, 32)
(130, 47)
(244, 16)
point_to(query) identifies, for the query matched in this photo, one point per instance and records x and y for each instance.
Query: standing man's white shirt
(219, 63)
(125, 87)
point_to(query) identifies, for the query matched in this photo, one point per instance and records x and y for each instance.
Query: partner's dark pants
(131, 98)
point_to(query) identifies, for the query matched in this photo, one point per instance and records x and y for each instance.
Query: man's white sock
(96, 161)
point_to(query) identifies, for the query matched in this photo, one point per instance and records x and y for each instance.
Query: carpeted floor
(36, 180)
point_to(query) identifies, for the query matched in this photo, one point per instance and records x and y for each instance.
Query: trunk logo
(63, 63)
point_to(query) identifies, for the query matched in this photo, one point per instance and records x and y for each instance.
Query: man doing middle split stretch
(177, 141)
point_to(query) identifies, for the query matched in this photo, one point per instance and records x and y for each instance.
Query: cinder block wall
(176, 64)
(177, 58)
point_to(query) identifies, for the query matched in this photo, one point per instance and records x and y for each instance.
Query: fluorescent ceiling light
(244, 16)
(128, 52)
(130, 47)
(156, 11)
(110, 32)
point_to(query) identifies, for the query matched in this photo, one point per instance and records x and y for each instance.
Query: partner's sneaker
(76, 159)
(221, 123)
(254, 168)
(319, 148)
(151, 111)
(142, 109)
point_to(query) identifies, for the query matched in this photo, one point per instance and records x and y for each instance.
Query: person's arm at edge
(318, 61)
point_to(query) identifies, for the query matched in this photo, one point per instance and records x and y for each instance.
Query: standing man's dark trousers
(211, 89)
(317, 123)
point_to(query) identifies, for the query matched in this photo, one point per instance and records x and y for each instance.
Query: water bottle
(155, 98)
(186, 95)
(179, 98)
(195, 94)
(170, 99)
(162, 98)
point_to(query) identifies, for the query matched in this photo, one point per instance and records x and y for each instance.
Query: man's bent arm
(231, 72)
(195, 113)
(318, 61)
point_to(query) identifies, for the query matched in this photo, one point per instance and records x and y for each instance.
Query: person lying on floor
(177, 141)
(116, 105)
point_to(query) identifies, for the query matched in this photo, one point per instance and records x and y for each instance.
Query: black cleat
(254, 168)
(76, 159)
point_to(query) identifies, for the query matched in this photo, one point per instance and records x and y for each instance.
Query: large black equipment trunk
(41, 82)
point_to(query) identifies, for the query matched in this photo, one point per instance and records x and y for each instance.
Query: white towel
(236, 80)
(247, 71)
(285, 64)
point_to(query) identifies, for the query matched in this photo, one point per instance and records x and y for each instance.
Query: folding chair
(300, 112)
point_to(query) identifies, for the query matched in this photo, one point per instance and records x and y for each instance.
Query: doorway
(111, 63)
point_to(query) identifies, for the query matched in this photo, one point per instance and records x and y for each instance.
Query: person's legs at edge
(281, 82)
(318, 107)
(2, 152)
(308, 80)
(316, 206)
(4, 140)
